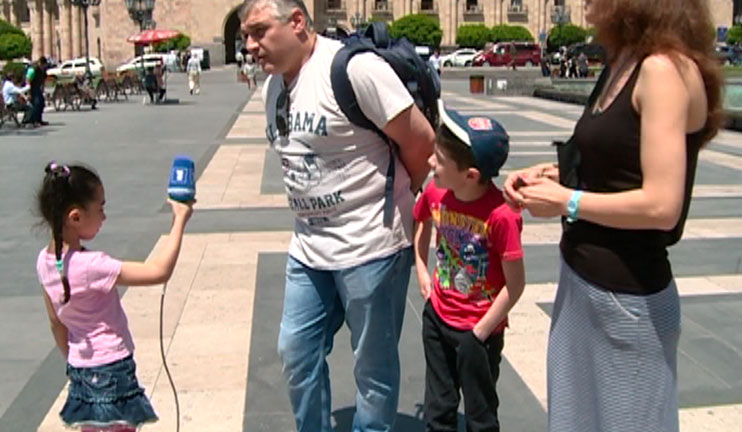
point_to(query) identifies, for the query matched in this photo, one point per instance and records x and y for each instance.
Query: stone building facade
(56, 27)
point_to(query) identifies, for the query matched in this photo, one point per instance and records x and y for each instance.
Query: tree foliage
(505, 32)
(178, 43)
(419, 29)
(6, 27)
(734, 36)
(17, 69)
(565, 36)
(472, 36)
(13, 45)
(13, 42)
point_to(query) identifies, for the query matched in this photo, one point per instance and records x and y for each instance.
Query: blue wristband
(573, 206)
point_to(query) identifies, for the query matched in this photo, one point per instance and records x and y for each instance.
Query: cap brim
(448, 118)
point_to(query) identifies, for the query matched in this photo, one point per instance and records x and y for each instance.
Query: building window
(381, 5)
(25, 14)
(334, 4)
(426, 5)
(559, 3)
(472, 5)
(516, 4)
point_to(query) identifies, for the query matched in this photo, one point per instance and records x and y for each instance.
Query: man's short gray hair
(281, 8)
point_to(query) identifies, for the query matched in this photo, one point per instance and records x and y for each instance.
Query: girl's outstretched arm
(59, 330)
(159, 269)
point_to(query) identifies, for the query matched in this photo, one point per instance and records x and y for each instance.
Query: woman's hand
(545, 198)
(517, 179)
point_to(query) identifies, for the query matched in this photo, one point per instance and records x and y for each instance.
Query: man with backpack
(351, 189)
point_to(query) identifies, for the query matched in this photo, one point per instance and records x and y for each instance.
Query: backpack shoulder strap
(342, 88)
(378, 32)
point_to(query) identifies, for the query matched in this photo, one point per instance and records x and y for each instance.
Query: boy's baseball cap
(484, 135)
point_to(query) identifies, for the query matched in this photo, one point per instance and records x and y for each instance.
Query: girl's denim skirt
(106, 395)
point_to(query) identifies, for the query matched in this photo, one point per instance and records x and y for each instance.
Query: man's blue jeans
(370, 298)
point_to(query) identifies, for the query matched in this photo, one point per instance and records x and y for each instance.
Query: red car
(503, 54)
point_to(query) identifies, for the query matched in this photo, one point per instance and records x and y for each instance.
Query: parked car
(460, 57)
(729, 55)
(150, 60)
(501, 54)
(595, 52)
(423, 51)
(74, 67)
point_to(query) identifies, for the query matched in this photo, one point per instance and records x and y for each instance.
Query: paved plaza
(223, 304)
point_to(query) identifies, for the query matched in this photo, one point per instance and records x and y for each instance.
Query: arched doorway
(232, 36)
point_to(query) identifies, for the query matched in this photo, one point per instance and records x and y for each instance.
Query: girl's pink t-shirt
(95, 320)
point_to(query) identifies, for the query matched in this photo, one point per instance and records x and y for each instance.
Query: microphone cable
(164, 361)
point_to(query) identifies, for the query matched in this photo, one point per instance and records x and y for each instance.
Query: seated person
(13, 96)
(154, 84)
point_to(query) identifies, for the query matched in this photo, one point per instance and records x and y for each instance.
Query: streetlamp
(140, 12)
(560, 17)
(84, 5)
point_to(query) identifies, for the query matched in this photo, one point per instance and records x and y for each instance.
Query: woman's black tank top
(620, 260)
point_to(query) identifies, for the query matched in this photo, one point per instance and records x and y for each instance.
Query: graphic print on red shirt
(473, 238)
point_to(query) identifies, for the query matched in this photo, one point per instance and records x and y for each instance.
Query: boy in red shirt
(479, 273)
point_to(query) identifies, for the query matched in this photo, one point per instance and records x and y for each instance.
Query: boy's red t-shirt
(473, 238)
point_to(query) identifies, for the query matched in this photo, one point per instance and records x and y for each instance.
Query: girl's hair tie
(54, 168)
(60, 266)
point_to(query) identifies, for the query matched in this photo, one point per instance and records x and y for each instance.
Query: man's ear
(297, 20)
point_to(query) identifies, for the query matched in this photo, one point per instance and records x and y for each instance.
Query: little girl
(87, 320)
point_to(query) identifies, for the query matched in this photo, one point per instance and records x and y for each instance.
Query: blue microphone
(182, 186)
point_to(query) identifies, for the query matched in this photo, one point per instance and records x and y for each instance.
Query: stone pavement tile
(255, 106)
(527, 338)
(207, 372)
(732, 283)
(201, 411)
(233, 180)
(730, 138)
(149, 360)
(248, 126)
(221, 277)
(549, 119)
(717, 191)
(52, 422)
(719, 418)
(722, 228)
(722, 159)
(230, 307)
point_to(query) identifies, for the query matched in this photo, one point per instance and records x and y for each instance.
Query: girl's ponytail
(63, 188)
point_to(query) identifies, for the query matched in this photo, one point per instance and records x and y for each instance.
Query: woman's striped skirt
(612, 359)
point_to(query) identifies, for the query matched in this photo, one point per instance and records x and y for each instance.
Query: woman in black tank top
(626, 180)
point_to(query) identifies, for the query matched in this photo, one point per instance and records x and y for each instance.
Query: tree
(17, 69)
(472, 36)
(565, 36)
(6, 27)
(178, 43)
(419, 29)
(13, 46)
(734, 36)
(504, 32)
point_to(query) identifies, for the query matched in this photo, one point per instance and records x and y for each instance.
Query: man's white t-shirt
(335, 172)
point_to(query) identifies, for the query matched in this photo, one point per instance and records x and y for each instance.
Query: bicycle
(8, 114)
(67, 95)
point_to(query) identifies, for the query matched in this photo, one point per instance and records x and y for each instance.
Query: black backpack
(418, 76)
